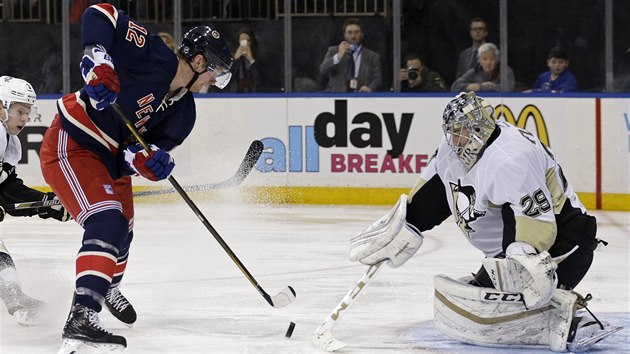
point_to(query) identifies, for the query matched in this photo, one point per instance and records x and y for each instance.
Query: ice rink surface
(191, 298)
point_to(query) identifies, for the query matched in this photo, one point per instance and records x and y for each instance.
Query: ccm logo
(503, 297)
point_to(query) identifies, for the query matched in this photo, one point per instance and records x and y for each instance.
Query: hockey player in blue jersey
(88, 154)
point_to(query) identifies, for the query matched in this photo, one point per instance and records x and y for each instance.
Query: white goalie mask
(468, 122)
(14, 90)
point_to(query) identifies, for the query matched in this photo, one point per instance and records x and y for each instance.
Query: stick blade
(326, 341)
(283, 298)
(249, 161)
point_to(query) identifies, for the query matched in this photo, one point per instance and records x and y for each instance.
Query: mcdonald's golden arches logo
(527, 112)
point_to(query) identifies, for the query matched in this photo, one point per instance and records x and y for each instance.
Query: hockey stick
(284, 297)
(32, 205)
(323, 337)
(248, 163)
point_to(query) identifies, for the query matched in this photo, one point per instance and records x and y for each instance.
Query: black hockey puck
(290, 330)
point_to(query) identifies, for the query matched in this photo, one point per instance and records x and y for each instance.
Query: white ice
(191, 298)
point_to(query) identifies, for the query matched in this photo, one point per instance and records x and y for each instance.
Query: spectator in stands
(349, 66)
(417, 77)
(558, 79)
(246, 76)
(168, 40)
(51, 74)
(469, 57)
(486, 76)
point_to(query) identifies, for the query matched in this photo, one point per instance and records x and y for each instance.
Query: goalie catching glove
(390, 237)
(155, 165)
(525, 272)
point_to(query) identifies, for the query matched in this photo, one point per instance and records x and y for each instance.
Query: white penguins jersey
(515, 171)
(10, 147)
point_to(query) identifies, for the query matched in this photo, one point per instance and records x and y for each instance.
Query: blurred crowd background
(288, 47)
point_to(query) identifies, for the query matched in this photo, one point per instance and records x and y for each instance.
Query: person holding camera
(417, 77)
(247, 78)
(350, 67)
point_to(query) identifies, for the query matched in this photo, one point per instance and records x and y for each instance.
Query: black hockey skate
(118, 305)
(83, 328)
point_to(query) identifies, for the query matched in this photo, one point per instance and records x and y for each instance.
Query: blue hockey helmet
(209, 43)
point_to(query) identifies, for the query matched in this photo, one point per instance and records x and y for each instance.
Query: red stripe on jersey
(75, 113)
(97, 262)
(109, 11)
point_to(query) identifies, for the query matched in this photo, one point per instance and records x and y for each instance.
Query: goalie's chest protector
(476, 197)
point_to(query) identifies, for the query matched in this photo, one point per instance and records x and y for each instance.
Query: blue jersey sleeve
(99, 25)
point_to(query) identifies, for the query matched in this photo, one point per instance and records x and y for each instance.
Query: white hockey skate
(585, 332)
(24, 308)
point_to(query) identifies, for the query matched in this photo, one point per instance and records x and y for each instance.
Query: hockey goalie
(508, 195)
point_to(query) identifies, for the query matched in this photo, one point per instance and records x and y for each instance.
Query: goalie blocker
(390, 237)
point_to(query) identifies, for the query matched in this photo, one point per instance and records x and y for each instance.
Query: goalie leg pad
(390, 237)
(488, 317)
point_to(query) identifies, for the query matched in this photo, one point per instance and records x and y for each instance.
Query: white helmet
(474, 114)
(15, 90)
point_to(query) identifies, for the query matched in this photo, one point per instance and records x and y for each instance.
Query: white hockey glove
(390, 237)
(525, 272)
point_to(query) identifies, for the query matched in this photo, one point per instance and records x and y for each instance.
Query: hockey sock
(97, 258)
(121, 263)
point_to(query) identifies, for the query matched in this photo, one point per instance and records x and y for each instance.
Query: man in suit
(350, 67)
(469, 57)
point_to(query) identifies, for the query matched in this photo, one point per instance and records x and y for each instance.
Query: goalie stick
(284, 297)
(323, 337)
(248, 163)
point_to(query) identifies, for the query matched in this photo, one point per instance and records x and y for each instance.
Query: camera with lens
(413, 73)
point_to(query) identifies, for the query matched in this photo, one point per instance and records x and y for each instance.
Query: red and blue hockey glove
(155, 165)
(101, 81)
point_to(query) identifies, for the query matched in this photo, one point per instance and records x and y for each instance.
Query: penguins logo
(464, 206)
